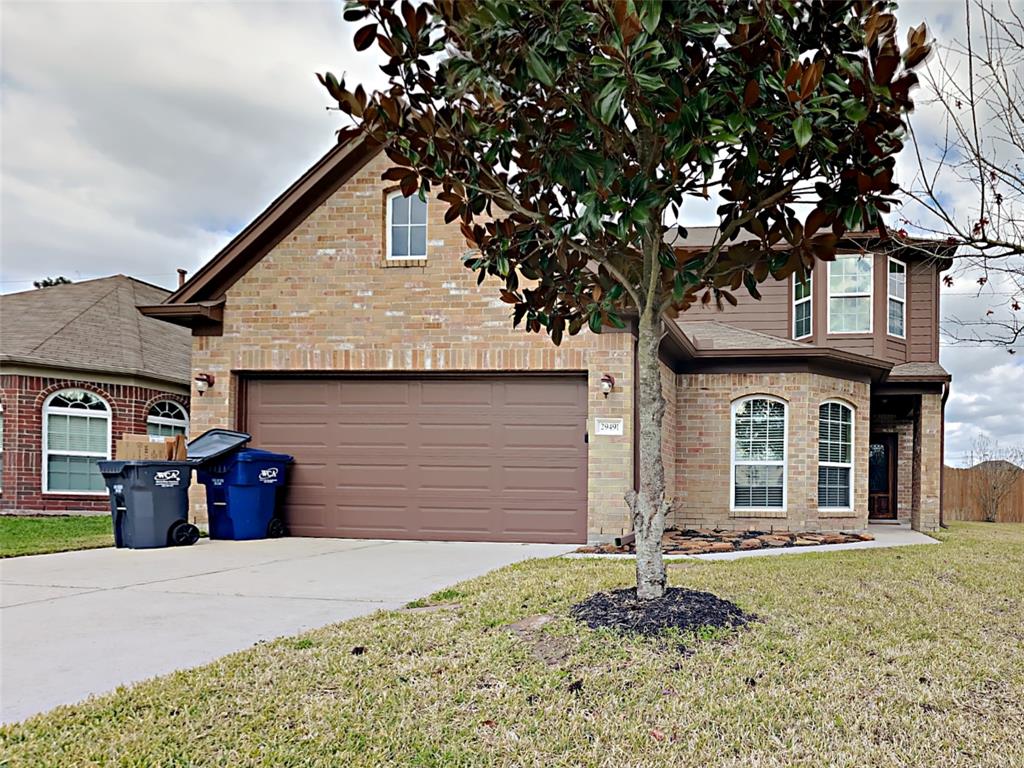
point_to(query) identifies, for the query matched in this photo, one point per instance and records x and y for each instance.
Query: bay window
(897, 305)
(801, 307)
(835, 456)
(849, 293)
(759, 454)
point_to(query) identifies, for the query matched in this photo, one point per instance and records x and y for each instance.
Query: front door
(882, 477)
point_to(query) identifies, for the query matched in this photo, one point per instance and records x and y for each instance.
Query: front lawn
(57, 533)
(900, 657)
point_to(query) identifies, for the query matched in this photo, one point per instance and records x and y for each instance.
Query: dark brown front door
(498, 458)
(882, 477)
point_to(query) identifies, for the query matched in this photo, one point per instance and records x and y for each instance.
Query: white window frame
(808, 300)
(736, 405)
(387, 231)
(48, 410)
(853, 453)
(164, 420)
(870, 294)
(892, 297)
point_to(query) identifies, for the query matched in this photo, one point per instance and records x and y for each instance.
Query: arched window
(166, 418)
(76, 435)
(406, 227)
(835, 455)
(759, 453)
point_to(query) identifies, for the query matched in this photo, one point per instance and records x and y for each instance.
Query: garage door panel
(479, 459)
(468, 394)
(369, 392)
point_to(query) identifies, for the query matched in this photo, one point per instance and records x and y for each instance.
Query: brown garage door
(460, 459)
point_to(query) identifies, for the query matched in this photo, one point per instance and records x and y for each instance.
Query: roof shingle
(94, 326)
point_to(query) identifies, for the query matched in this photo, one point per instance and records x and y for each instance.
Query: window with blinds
(76, 435)
(835, 456)
(759, 454)
(801, 308)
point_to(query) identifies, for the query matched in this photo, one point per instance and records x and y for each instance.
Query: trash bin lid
(258, 454)
(215, 443)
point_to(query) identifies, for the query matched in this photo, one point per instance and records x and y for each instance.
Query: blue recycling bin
(243, 488)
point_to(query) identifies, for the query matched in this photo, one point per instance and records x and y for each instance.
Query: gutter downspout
(942, 459)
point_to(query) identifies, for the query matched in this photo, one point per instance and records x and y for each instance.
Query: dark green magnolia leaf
(595, 321)
(855, 110)
(539, 68)
(650, 14)
(802, 131)
(609, 101)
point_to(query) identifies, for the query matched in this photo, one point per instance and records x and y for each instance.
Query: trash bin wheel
(183, 534)
(275, 529)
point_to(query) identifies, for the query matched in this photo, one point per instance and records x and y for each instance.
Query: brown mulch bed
(702, 541)
(685, 610)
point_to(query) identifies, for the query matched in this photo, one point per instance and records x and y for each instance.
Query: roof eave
(203, 317)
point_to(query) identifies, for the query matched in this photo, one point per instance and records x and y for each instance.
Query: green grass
(39, 535)
(901, 657)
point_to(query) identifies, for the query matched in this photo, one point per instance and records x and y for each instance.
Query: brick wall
(22, 398)
(703, 451)
(324, 300)
(927, 464)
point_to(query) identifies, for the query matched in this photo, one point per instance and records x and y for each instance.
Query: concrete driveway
(80, 623)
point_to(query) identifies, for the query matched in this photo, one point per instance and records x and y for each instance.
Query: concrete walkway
(900, 535)
(80, 623)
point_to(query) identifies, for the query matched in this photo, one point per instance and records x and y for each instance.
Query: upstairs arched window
(166, 418)
(759, 454)
(76, 435)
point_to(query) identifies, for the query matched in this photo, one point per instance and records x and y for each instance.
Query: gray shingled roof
(94, 326)
(914, 370)
(711, 334)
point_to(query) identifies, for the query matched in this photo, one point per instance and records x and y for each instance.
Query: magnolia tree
(566, 137)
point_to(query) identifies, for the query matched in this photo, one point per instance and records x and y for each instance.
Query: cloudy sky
(139, 137)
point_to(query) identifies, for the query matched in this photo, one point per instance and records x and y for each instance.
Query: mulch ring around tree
(702, 541)
(683, 610)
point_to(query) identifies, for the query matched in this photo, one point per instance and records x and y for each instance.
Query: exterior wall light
(607, 384)
(204, 381)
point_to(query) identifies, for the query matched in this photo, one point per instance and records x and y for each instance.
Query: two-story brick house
(341, 327)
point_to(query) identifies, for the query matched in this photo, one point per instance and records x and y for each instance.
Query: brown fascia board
(273, 225)
(203, 317)
(690, 361)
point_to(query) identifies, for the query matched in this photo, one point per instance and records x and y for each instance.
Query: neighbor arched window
(166, 418)
(406, 227)
(76, 435)
(835, 455)
(759, 453)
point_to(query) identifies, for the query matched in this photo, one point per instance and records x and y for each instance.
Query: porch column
(927, 463)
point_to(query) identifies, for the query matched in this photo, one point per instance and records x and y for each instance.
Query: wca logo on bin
(268, 475)
(168, 478)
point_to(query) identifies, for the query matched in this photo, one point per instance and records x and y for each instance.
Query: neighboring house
(341, 327)
(79, 367)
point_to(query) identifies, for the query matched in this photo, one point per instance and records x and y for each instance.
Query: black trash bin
(149, 503)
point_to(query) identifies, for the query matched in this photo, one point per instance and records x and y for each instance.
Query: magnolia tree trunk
(649, 505)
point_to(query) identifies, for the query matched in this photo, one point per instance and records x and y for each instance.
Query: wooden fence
(960, 497)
